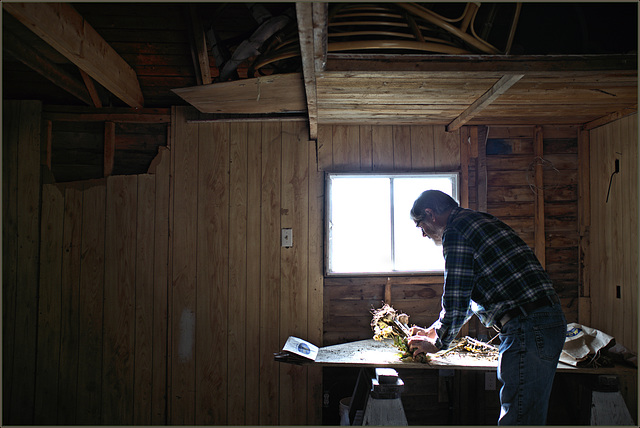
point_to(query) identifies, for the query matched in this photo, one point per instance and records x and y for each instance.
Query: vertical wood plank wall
(236, 294)
(21, 134)
(102, 323)
(613, 261)
(160, 298)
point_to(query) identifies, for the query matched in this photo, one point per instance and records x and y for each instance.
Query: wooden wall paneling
(324, 147)
(109, 147)
(601, 247)
(616, 237)
(90, 304)
(270, 271)
(447, 149)
(464, 166)
(479, 136)
(629, 186)
(237, 341)
(119, 301)
(401, 148)
(212, 290)
(596, 234)
(253, 232)
(183, 282)
(27, 250)
(70, 290)
(382, 147)
(538, 180)
(366, 148)
(294, 263)
(161, 296)
(316, 269)
(144, 300)
(346, 148)
(10, 117)
(49, 307)
(422, 148)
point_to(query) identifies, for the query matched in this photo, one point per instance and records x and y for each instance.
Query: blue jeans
(530, 347)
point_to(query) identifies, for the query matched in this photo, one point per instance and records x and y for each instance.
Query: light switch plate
(287, 238)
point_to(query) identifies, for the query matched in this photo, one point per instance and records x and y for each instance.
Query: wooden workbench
(372, 353)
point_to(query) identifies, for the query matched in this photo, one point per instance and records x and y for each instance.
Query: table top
(382, 353)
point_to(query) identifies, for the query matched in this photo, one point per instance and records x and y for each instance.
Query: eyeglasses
(419, 221)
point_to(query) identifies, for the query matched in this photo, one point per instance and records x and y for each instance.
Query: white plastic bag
(582, 343)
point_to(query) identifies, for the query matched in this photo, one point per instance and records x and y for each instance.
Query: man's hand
(421, 344)
(422, 340)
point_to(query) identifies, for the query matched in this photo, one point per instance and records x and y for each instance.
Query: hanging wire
(538, 160)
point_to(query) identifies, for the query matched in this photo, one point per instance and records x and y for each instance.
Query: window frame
(455, 176)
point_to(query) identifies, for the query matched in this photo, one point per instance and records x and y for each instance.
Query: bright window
(369, 229)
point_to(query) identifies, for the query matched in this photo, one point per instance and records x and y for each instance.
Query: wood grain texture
(27, 122)
(294, 266)
(69, 308)
(49, 306)
(212, 260)
(252, 333)
(120, 298)
(10, 191)
(270, 272)
(161, 277)
(144, 301)
(183, 281)
(64, 28)
(238, 287)
(91, 305)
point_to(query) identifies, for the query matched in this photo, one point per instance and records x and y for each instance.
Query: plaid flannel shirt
(489, 270)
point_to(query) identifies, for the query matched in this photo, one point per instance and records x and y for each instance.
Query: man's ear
(430, 215)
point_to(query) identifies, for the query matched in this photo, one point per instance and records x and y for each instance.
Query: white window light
(368, 226)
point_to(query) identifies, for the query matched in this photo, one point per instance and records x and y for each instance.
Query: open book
(297, 351)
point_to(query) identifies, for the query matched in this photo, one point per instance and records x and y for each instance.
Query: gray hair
(438, 201)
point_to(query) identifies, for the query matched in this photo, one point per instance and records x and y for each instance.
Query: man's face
(430, 230)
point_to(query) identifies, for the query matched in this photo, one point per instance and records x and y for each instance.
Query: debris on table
(469, 347)
(387, 323)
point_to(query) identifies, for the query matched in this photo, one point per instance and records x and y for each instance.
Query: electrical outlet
(287, 238)
(489, 381)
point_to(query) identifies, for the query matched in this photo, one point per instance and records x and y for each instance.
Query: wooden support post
(481, 138)
(584, 225)
(109, 147)
(387, 291)
(49, 131)
(465, 143)
(539, 200)
(91, 88)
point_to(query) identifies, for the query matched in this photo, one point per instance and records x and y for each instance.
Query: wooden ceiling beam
(60, 25)
(528, 64)
(483, 102)
(610, 117)
(312, 31)
(199, 46)
(38, 63)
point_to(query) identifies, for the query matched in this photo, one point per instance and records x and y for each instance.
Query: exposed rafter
(60, 25)
(485, 100)
(49, 70)
(312, 31)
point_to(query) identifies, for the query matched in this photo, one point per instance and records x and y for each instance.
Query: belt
(548, 300)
